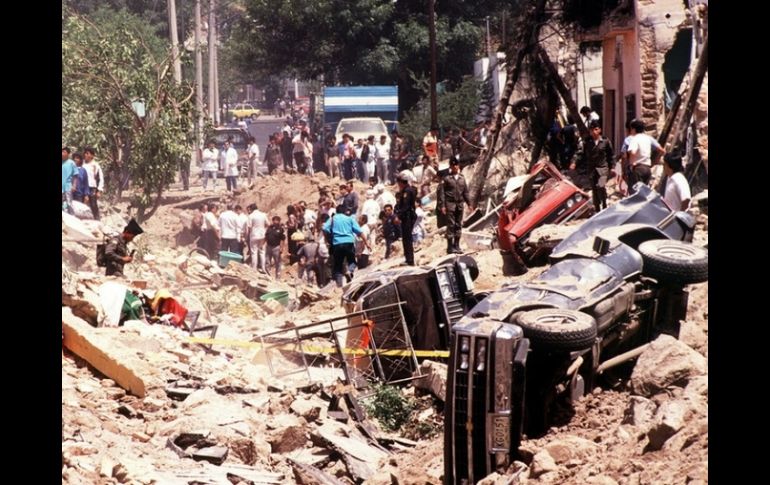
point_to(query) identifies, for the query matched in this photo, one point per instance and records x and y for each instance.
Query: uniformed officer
(116, 253)
(452, 193)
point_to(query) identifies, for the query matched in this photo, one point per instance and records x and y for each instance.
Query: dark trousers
(363, 261)
(231, 245)
(231, 181)
(599, 187)
(342, 253)
(640, 173)
(347, 168)
(406, 240)
(299, 162)
(184, 174)
(94, 203)
(454, 215)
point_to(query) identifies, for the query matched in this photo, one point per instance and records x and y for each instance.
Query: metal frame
(348, 359)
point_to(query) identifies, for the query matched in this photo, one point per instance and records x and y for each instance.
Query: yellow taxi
(243, 110)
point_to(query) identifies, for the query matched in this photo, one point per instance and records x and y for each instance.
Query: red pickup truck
(544, 196)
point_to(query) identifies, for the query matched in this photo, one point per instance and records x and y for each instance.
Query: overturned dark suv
(615, 284)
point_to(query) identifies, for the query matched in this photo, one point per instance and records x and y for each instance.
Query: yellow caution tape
(320, 350)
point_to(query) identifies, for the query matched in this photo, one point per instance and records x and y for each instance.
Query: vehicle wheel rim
(676, 251)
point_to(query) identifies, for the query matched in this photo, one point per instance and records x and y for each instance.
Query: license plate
(501, 433)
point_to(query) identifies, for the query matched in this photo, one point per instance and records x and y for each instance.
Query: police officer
(452, 192)
(405, 203)
(116, 253)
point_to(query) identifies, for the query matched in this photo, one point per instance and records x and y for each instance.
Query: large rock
(666, 362)
(670, 418)
(639, 411)
(542, 463)
(288, 439)
(571, 448)
(434, 378)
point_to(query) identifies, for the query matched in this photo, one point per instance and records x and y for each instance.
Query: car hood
(644, 207)
(571, 284)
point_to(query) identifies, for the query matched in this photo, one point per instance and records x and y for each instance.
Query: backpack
(101, 253)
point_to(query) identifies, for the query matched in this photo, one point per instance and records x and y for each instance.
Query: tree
(109, 61)
(455, 108)
(359, 41)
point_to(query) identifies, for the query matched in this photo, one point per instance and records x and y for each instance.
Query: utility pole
(432, 34)
(198, 81)
(213, 105)
(174, 41)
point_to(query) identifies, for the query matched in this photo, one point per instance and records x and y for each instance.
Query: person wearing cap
(452, 193)
(116, 252)
(405, 204)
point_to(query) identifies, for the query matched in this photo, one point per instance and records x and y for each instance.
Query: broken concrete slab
(108, 355)
(310, 475)
(358, 448)
(212, 454)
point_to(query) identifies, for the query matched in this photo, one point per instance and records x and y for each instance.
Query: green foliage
(109, 60)
(358, 41)
(389, 407)
(454, 109)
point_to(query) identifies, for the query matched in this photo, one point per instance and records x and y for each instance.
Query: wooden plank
(104, 354)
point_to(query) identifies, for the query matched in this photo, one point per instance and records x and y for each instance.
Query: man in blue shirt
(343, 230)
(82, 191)
(68, 171)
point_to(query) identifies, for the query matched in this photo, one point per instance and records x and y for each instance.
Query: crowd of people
(337, 236)
(594, 156)
(82, 182)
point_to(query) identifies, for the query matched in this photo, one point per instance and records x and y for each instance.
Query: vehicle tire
(674, 262)
(555, 329)
(254, 117)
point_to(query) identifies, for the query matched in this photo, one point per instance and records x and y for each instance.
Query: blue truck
(341, 102)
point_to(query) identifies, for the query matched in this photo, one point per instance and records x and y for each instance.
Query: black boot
(456, 249)
(450, 245)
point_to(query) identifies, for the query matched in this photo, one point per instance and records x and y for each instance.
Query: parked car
(361, 128)
(617, 283)
(544, 196)
(432, 298)
(243, 110)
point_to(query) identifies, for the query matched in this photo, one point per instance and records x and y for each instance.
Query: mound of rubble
(160, 404)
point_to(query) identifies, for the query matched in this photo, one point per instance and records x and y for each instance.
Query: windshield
(371, 127)
(238, 138)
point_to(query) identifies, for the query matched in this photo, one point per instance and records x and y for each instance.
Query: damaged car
(529, 349)
(426, 300)
(544, 196)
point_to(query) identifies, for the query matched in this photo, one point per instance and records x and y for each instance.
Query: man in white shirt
(228, 229)
(230, 156)
(381, 154)
(242, 220)
(677, 194)
(371, 209)
(210, 164)
(640, 153)
(255, 229)
(253, 153)
(95, 179)
(589, 115)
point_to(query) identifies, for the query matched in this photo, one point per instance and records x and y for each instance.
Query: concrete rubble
(143, 404)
